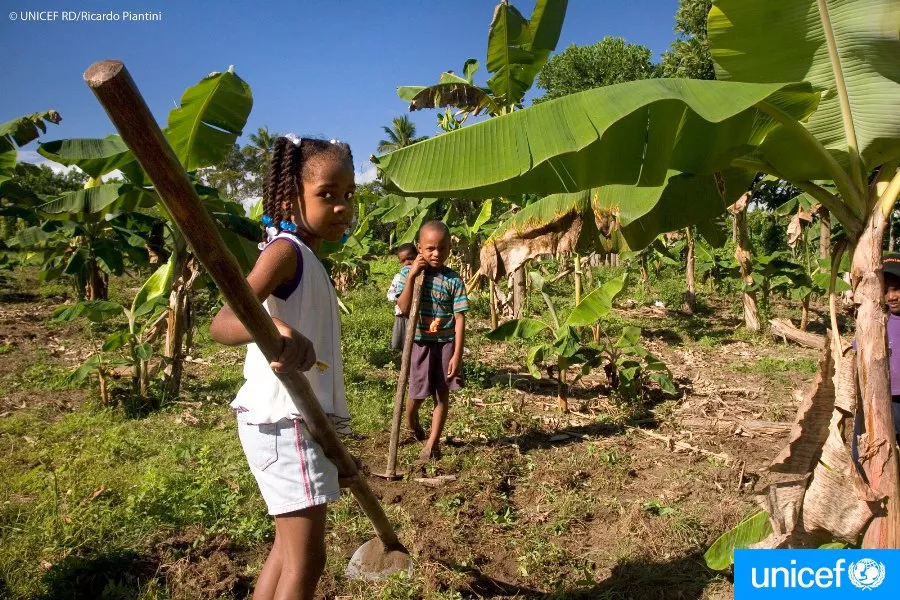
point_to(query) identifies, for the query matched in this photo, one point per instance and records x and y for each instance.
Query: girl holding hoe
(307, 199)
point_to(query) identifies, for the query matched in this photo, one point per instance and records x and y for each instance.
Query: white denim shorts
(291, 469)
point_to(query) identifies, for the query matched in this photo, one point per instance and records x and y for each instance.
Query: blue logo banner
(797, 574)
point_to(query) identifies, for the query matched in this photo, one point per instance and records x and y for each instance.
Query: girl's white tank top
(311, 309)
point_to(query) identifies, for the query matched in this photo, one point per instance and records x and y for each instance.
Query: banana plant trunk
(187, 270)
(877, 446)
(495, 321)
(562, 388)
(104, 391)
(824, 233)
(742, 255)
(97, 287)
(690, 297)
(518, 292)
(645, 278)
(804, 313)
(577, 273)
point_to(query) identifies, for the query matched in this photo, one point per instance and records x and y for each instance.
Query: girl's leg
(271, 571)
(438, 418)
(300, 543)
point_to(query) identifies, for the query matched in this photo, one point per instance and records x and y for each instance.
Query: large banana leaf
(19, 132)
(629, 133)
(98, 198)
(518, 329)
(211, 117)
(96, 157)
(774, 40)
(518, 48)
(751, 530)
(597, 304)
(8, 157)
(645, 212)
(26, 129)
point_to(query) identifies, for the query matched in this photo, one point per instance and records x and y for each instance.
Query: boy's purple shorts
(428, 369)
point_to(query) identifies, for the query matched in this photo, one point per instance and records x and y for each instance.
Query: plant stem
(856, 167)
(562, 391)
(888, 195)
(577, 279)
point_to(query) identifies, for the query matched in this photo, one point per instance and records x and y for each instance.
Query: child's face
(892, 293)
(406, 258)
(434, 245)
(327, 198)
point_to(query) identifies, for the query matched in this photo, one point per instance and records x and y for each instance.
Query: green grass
(96, 481)
(94, 488)
(770, 366)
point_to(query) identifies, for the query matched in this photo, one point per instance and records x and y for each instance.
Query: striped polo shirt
(443, 295)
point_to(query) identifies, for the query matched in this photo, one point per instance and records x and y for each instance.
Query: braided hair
(287, 170)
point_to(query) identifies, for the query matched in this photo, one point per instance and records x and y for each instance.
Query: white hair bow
(294, 138)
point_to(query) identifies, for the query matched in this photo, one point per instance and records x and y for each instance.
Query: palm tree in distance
(400, 134)
(262, 143)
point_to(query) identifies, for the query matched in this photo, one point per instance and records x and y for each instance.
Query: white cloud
(31, 156)
(248, 204)
(368, 174)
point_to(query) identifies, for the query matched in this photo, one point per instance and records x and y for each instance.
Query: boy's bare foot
(430, 453)
(419, 433)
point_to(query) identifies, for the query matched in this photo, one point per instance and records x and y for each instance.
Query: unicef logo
(866, 574)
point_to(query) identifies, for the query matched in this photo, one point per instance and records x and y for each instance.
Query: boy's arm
(459, 342)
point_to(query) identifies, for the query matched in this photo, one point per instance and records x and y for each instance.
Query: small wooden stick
(676, 445)
(403, 380)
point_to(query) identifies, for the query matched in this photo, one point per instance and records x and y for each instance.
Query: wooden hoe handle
(117, 92)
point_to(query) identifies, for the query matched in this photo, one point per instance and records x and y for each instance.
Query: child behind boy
(406, 254)
(436, 362)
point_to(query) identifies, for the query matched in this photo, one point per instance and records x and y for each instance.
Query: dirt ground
(574, 506)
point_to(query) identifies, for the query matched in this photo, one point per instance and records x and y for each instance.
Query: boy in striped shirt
(436, 362)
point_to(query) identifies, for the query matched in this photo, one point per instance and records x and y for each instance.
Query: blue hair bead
(266, 220)
(288, 226)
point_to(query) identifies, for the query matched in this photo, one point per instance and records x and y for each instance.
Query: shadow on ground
(187, 564)
(683, 578)
(114, 575)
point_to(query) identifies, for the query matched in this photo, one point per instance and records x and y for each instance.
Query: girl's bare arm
(274, 266)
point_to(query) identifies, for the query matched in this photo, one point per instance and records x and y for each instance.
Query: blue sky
(316, 67)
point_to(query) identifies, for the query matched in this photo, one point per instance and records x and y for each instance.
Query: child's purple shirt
(893, 336)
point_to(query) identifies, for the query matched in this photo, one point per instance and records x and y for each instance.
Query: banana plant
(558, 344)
(838, 122)
(201, 131)
(144, 320)
(18, 132)
(88, 235)
(517, 49)
(468, 233)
